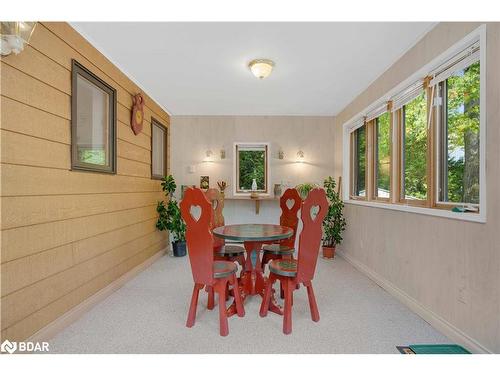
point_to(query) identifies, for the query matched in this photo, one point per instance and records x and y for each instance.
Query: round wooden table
(253, 236)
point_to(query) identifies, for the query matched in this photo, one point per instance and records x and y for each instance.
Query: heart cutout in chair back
(289, 203)
(314, 212)
(195, 212)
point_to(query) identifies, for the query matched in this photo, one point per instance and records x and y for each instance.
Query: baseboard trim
(429, 316)
(56, 326)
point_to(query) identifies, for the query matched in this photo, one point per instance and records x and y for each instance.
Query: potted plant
(334, 222)
(305, 188)
(169, 217)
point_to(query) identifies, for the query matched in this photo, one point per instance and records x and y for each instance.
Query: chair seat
(284, 267)
(223, 269)
(230, 250)
(278, 249)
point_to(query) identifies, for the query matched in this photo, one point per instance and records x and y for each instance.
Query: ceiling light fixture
(261, 68)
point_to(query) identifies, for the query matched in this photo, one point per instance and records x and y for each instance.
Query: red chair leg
(211, 302)
(282, 292)
(312, 302)
(192, 308)
(221, 292)
(287, 316)
(265, 260)
(266, 299)
(240, 310)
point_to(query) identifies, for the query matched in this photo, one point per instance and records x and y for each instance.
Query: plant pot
(179, 248)
(328, 252)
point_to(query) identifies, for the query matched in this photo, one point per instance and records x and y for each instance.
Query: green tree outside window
(383, 155)
(415, 148)
(461, 148)
(252, 165)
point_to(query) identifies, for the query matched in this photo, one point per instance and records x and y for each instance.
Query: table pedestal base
(253, 282)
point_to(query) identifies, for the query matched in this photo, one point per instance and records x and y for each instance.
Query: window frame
(78, 69)
(353, 164)
(155, 122)
(431, 206)
(400, 197)
(441, 113)
(374, 156)
(267, 174)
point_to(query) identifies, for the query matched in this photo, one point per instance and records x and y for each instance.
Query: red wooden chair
(284, 249)
(292, 272)
(206, 270)
(223, 251)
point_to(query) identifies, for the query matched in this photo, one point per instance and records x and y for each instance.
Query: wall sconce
(222, 154)
(209, 156)
(281, 154)
(300, 156)
(14, 36)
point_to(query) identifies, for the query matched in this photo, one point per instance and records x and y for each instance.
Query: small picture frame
(204, 182)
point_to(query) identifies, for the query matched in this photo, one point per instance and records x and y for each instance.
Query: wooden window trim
(431, 146)
(352, 195)
(155, 122)
(396, 167)
(76, 70)
(439, 122)
(432, 172)
(374, 190)
(266, 171)
(400, 199)
(397, 157)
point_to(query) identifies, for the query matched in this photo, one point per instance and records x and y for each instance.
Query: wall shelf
(257, 200)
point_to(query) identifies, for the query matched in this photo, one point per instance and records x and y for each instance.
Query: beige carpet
(148, 315)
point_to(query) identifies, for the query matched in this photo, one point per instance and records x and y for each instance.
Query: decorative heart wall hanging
(137, 113)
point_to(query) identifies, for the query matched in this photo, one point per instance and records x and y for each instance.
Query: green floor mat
(439, 349)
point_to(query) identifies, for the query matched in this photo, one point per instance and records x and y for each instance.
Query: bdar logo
(8, 346)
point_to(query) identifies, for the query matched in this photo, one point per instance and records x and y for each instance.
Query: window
(158, 150)
(251, 164)
(422, 149)
(359, 171)
(93, 122)
(414, 149)
(383, 156)
(459, 137)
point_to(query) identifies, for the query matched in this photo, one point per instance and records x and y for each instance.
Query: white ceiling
(201, 68)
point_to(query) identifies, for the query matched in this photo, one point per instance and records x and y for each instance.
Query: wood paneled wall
(66, 234)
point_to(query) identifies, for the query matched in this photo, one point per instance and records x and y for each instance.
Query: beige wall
(449, 269)
(66, 234)
(193, 135)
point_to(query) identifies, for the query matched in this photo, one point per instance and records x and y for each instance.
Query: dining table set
(253, 237)
(215, 251)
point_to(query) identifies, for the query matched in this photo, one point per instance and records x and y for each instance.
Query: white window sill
(478, 218)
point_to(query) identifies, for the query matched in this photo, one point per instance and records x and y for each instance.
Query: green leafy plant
(169, 215)
(305, 188)
(252, 166)
(334, 222)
